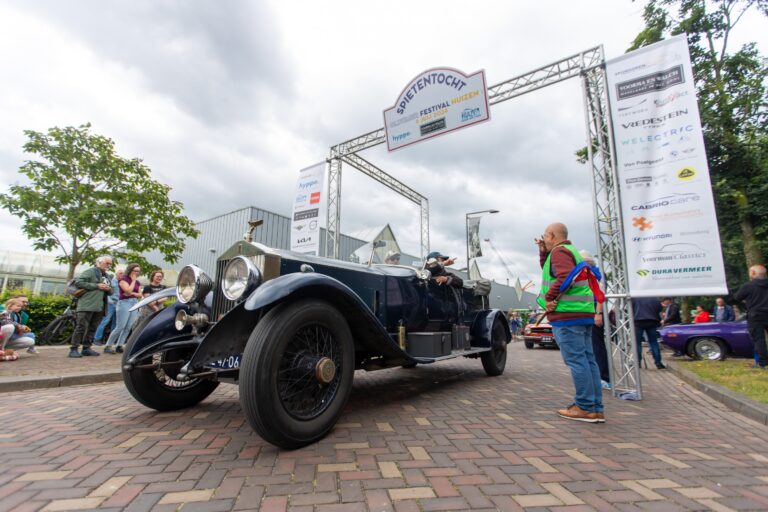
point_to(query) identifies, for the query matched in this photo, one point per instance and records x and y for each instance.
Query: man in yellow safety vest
(571, 313)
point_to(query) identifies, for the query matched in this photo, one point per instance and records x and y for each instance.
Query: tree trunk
(71, 271)
(752, 253)
(685, 310)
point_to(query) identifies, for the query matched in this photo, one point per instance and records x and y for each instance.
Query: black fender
(230, 334)
(482, 327)
(152, 334)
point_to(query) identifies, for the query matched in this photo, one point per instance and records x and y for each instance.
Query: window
(52, 288)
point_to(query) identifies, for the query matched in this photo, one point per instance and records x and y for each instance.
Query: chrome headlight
(240, 277)
(193, 284)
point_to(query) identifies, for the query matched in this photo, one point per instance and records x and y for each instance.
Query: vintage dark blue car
(291, 329)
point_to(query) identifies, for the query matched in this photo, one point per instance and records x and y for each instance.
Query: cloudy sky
(226, 100)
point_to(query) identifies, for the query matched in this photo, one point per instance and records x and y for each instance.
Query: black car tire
(157, 389)
(284, 353)
(495, 359)
(711, 349)
(529, 344)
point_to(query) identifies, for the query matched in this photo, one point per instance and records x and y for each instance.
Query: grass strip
(735, 374)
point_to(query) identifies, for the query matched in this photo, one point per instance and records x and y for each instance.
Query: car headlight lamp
(193, 284)
(241, 276)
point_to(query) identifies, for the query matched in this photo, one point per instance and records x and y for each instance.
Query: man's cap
(437, 254)
(392, 255)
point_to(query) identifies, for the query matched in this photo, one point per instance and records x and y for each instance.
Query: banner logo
(686, 173)
(643, 272)
(673, 252)
(641, 223)
(670, 200)
(653, 82)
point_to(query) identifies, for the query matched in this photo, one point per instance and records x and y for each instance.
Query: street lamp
(466, 222)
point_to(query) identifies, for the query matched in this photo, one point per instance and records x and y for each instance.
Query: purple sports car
(712, 341)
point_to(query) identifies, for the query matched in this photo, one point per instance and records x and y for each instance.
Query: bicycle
(61, 328)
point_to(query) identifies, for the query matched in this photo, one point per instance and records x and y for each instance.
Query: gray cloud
(219, 60)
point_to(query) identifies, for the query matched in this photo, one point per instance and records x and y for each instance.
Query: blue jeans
(125, 321)
(575, 343)
(652, 336)
(108, 318)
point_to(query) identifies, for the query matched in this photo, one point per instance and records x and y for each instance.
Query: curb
(752, 409)
(9, 384)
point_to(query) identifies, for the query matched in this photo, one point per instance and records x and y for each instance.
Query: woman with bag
(130, 293)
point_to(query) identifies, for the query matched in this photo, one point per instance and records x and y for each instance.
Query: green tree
(731, 87)
(84, 200)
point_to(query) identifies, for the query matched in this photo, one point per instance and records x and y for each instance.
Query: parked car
(713, 340)
(539, 335)
(291, 329)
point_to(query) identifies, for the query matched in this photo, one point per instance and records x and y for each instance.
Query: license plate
(228, 363)
(547, 339)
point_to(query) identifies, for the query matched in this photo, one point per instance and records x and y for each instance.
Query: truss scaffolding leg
(333, 213)
(620, 337)
(424, 228)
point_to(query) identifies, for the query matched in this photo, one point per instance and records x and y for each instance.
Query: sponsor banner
(473, 237)
(436, 102)
(307, 210)
(670, 226)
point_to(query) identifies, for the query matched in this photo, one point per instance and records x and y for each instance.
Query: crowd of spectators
(101, 308)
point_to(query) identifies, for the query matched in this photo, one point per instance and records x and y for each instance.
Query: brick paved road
(434, 438)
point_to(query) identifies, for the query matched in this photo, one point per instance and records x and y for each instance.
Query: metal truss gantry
(589, 65)
(620, 337)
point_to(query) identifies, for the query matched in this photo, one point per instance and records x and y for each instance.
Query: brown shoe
(600, 417)
(575, 412)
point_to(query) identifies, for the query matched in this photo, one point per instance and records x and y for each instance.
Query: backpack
(73, 290)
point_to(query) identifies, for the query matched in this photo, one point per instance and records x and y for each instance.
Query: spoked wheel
(495, 360)
(710, 349)
(296, 373)
(59, 331)
(154, 381)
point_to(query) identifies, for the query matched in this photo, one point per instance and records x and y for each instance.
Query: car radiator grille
(221, 305)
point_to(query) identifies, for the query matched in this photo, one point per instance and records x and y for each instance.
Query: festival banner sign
(307, 207)
(473, 237)
(436, 102)
(670, 227)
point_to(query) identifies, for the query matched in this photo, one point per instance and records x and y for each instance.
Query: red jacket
(702, 318)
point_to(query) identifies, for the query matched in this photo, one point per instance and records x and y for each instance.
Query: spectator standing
(670, 315)
(154, 286)
(15, 334)
(671, 312)
(110, 317)
(723, 312)
(130, 293)
(755, 294)
(737, 314)
(514, 322)
(571, 313)
(91, 305)
(702, 316)
(647, 318)
(598, 334)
